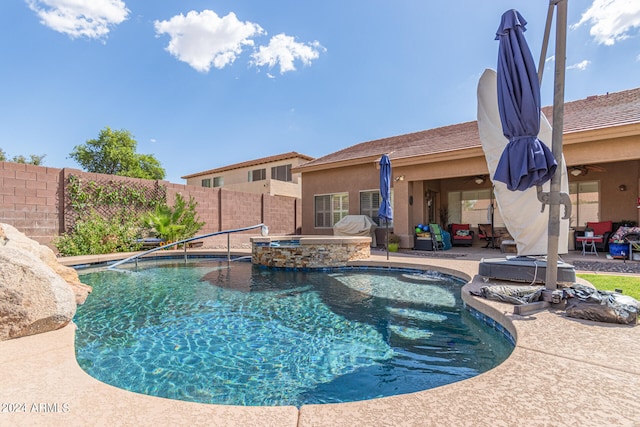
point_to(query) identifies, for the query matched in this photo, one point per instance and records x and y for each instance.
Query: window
(218, 181)
(370, 203)
(257, 175)
(585, 202)
(472, 207)
(330, 208)
(206, 182)
(281, 173)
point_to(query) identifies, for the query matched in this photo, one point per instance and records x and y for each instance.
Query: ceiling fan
(580, 170)
(478, 179)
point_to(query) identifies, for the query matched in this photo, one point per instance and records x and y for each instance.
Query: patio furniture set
(595, 237)
(430, 237)
(624, 243)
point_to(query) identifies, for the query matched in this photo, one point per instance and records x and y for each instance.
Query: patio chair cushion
(461, 234)
(600, 228)
(622, 232)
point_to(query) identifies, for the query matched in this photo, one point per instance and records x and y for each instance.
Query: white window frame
(338, 208)
(372, 210)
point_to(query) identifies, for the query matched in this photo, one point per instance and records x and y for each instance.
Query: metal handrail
(168, 245)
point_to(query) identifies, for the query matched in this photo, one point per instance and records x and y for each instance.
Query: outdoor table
(589, 242)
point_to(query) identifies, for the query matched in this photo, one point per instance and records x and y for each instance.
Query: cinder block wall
(32, 199)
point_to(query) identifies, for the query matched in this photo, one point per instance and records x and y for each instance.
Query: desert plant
(174, 223)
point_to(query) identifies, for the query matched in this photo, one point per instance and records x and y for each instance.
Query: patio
(562, 372)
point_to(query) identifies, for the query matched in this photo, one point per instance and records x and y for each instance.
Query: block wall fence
(32, 200)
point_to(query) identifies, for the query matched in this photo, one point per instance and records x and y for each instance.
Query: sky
(201, 84)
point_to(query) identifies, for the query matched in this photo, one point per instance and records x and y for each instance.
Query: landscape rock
(37, 294)
(33, 298)
(11, 237)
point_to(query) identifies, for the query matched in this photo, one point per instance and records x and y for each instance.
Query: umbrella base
(524, 269)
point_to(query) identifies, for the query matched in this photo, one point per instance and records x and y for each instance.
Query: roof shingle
(248, 163)
(594, 112)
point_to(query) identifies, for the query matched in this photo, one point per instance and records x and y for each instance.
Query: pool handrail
(185, 241)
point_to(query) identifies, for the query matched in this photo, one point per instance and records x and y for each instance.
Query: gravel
(632, 267)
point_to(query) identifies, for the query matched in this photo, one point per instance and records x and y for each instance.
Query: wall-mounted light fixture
(479, 180)
(577, 171)
(399, 178)
(622, 187)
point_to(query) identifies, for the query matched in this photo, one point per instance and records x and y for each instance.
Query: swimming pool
(214, 332)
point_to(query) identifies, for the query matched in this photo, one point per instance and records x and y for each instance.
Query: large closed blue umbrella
(385, 212)
(526, 161)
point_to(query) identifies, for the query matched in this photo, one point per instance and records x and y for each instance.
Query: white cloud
(80, 18)
(203, 39)
(582, 65)
(611, 20)
(284, 50)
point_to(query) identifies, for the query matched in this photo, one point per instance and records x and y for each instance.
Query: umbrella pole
(386, 221)
(551, 278)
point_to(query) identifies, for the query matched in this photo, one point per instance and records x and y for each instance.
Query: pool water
(237, 334)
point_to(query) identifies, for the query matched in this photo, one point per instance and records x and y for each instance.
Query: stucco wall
(455, 175)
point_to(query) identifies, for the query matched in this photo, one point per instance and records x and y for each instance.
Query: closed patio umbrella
(385, 212)
(526, 161)
(518, 90)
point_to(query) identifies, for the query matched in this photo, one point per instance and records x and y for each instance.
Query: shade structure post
(551, 279)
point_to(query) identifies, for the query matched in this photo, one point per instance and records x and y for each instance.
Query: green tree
(114, 153)
(33, 160)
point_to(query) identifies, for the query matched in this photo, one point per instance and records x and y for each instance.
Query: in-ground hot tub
(308, 251)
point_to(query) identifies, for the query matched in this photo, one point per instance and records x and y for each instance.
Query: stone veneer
(308, 252)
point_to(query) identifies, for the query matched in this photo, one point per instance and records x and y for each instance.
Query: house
(441, 175)
(269, 175)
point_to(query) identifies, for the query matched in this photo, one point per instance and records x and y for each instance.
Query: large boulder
(11, 237)
(33, 298)
(37, 294)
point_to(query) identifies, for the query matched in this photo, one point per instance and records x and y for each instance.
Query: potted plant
(393, 243)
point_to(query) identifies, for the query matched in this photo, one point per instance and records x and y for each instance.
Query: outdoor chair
(461, 235)
(486, 232)
(436, 236)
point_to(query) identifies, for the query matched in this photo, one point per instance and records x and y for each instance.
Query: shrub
(93, 235)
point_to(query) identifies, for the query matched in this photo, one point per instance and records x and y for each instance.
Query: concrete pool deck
(562, 372)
